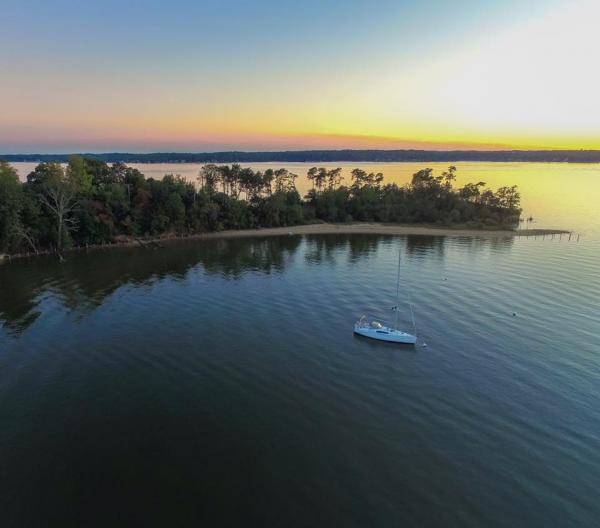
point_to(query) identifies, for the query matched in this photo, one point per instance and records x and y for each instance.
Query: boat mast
(398, 290)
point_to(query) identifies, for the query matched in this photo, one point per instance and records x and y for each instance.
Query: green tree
(508, 197)
(284, 181)
(321, 178)
(334, 178)
(471, 191)
(423, 178)
(209, 177)
(361, 179)
(10, 205)
(78, 175)
(312, 175)
(449, 177)
(267, 178)
(175, 211)
(57, 194)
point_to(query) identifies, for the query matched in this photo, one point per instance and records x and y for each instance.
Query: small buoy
(424, 345)
(514, 314)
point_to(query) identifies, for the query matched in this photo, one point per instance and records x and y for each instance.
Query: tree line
(90, 202)
(322, 156)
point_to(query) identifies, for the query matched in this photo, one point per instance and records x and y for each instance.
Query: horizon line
(298, 151)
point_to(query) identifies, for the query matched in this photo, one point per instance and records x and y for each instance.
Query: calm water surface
(220, 381)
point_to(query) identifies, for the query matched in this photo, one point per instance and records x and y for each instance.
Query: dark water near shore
(219, 381)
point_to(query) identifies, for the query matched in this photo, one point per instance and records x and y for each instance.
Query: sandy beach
(379, 229)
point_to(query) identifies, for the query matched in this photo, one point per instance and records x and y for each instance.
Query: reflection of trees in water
(85, 280)
(17, 299)
(425, 246)
(362, 246)
(499, 244)
(232, 257)
(323, 248)
(428, 246)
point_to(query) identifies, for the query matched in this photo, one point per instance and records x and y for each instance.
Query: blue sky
(207, 74)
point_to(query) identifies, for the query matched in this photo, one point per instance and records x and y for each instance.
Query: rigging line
(398, 288)
(410, 304)
(398, 277)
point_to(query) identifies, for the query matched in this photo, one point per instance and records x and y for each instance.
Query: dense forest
(322, 156)
(90, 202)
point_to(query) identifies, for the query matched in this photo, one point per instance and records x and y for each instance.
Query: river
(218, 381)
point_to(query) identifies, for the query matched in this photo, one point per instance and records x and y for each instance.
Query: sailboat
(376, 330)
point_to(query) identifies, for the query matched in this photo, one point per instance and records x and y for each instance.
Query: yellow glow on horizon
(534, 86)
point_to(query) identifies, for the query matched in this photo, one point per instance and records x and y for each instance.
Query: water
(219, 382)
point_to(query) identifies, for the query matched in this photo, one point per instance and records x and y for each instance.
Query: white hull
(376, 330)
(383, 333)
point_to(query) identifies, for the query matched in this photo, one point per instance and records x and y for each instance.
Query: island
(90, 203)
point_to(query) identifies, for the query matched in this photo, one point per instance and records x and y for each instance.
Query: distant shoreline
(329, 156)
(310, 229)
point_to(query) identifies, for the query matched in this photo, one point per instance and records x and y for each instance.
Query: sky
(198, 75)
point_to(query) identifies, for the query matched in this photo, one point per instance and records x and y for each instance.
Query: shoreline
(374, 228)
(365, 228)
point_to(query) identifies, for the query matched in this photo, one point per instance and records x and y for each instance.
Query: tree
(312, 175)
(267, 179)
(57, 193)
(231, 177)
(334, 177)
(471, 192)
(508, 197)
(44, 174)
(361, 179)
(321, 178)
(284, 181)
(209, 177)
(449, 177)
(101, 173)
(10, 205)
(78, 176)
(423, 178)
(175, 210)
(251, 182)
(358, 177)
(489, 199)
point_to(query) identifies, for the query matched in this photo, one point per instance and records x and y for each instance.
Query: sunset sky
(210, 75)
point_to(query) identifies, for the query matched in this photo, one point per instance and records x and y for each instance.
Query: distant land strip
(322, 156)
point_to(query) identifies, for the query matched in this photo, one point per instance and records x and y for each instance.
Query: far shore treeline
(328, 156)
(90, 202)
